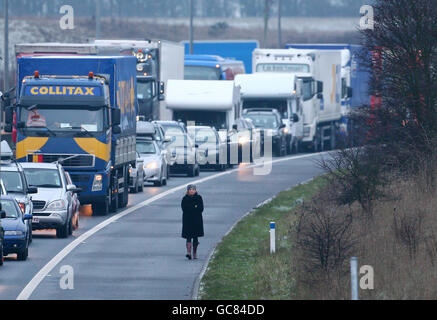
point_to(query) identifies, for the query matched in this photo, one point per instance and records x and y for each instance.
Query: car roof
(168, 122)
(200, 127)
(39, 165)
(11, 167)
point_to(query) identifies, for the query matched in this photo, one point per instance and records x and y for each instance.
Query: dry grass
(399, 242)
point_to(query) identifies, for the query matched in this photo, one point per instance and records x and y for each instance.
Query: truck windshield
(265, 121)
(201, 73)
(278, 104)
(12, 181)
(145, 90)
(61, 118)
(43, 178)
(283, 67)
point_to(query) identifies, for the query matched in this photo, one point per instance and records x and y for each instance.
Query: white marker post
(354, 278)
(272, 237)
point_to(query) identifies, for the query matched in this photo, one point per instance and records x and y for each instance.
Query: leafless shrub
(408, 228)
(325, 239)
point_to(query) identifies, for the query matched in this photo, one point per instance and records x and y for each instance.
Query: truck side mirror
(234, 127)
(295, 117)
(116, 129)
(319, 86)
(116, 117)
(320, 96)
(9, 115)
(350, 92)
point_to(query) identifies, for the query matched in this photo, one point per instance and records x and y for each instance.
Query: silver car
(154, 159)
(53, 204)
(136, 175)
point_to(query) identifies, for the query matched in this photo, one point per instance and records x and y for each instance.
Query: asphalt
(141, 255)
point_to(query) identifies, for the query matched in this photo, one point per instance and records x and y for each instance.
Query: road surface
(137, 253)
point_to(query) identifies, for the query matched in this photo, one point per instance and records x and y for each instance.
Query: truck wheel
(191, 172)
(114, 203)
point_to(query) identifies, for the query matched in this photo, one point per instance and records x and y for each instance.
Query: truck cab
(84, 120)
(211, 67)
(320, 72)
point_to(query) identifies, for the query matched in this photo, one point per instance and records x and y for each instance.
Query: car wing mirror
(27, 217)
(2, 214)
(73, 188)
(32, 190)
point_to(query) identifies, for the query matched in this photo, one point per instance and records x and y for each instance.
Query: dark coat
(192, 220)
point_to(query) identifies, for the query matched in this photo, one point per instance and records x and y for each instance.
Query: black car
(269, 120)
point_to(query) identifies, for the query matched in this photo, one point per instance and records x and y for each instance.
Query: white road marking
(36, 280)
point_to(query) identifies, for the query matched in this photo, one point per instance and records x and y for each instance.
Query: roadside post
(272, 237)
(354, 278)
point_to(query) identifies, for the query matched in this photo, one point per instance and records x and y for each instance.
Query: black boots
(195, 245)
(188, 255)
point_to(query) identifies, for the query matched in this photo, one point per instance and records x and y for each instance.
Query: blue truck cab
(80, 111)
(210, 67)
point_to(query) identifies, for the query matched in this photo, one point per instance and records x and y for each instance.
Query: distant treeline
(180, 8)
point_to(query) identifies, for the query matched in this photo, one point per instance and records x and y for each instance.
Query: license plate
(35, 220)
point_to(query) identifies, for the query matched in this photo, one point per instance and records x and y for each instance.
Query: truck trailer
(79, 111)
(228, 49)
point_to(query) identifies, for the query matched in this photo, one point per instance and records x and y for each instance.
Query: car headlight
(286, 130)
(243, 140)
(152, 165)
(97, 183)
(22, 206)
(57, 205)
(14, 233)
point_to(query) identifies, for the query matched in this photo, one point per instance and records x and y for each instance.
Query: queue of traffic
(92, 123)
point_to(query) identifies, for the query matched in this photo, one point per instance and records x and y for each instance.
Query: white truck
(320, 72)
(206, 102)
(159, 61)
(282, 92)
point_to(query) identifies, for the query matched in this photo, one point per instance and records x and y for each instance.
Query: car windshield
(146, 147)
(10, 208)
(60, 118)
(278, 104)
(172, 130)
(201, 73)
(12, 181)
(204, 135)
(265, 121)
(283, 67)
(43, 178)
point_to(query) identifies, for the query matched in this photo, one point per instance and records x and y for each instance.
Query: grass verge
(242, 267)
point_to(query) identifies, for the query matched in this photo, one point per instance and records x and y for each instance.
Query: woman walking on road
(192, 221)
